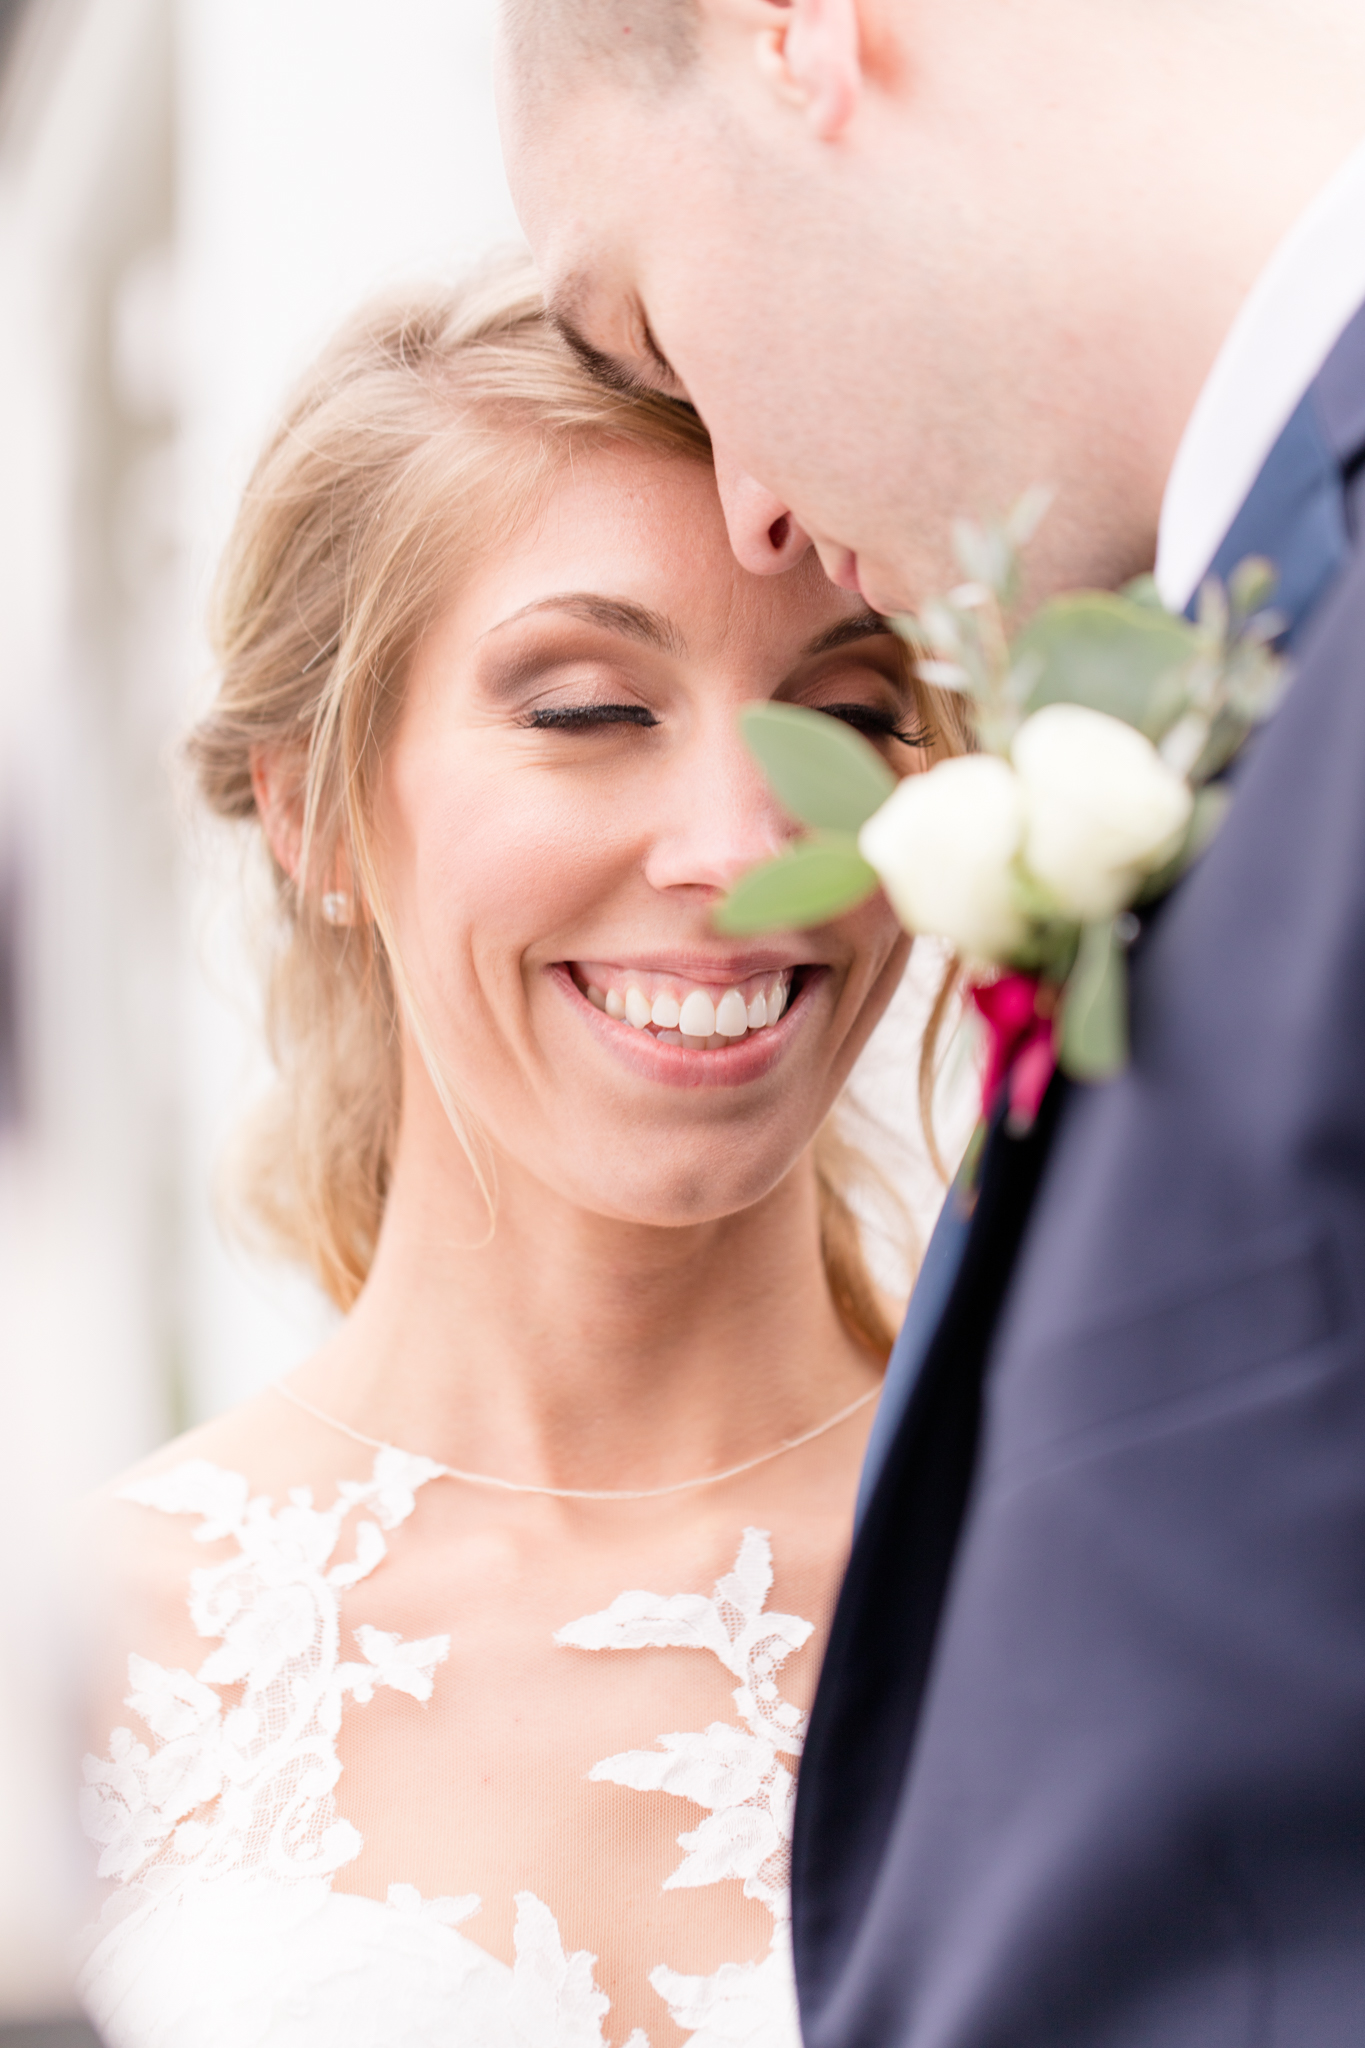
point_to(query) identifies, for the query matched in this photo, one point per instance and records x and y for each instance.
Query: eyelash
(864, 718)
(582, 717)
(657, 356)
(875, 724)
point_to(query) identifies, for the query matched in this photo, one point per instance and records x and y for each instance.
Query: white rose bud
(943, 846)
(1104, 810)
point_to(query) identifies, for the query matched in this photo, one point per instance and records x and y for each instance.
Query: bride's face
(565, 801)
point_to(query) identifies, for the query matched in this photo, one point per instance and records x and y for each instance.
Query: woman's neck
(573, 1349)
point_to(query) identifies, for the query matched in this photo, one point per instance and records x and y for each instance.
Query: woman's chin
(706, 1189)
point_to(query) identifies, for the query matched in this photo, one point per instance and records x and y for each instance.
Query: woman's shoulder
(140, 1526)
(141, 1543)
(266, 1441)
(266, 1449)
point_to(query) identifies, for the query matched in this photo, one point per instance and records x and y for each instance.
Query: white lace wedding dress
(242, 1907)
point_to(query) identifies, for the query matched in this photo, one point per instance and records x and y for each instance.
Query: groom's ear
(808, 52)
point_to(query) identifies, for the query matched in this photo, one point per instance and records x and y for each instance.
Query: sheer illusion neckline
(221, 1828)
(488, 1479)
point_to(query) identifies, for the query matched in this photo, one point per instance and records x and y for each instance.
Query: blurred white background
(191, 193)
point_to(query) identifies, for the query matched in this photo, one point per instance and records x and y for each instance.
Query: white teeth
(697, 1018)
(732, 1019)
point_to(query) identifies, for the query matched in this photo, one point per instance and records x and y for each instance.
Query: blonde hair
(423, 438)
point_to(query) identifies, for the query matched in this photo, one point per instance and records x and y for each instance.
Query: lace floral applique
(223, 1837)
(734, 1771)
(229, 1818)
(270, 1762)
(555, 1998)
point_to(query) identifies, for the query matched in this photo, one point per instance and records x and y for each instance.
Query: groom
(1087, 1764)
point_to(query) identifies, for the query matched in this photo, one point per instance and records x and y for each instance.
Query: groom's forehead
(579, 211)
(592, 163)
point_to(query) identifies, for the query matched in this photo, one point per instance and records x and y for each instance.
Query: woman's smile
(694, 1026)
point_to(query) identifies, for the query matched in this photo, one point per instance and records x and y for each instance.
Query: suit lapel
(933, 1285)
(1297, 513)
(863, 1723)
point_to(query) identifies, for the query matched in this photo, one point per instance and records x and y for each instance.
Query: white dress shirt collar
(1275, 347)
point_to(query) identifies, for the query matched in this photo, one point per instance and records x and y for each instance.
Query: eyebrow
(613, 614)
(861, 626)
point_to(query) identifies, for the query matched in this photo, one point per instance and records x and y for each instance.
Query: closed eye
(666, 370)
(583, 717)
(876, 724)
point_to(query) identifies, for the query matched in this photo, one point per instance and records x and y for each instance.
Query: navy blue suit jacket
(1086, 1767)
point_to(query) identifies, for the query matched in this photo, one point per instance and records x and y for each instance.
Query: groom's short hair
(550, 39)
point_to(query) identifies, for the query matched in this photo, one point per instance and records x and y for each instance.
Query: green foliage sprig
(1194, 689)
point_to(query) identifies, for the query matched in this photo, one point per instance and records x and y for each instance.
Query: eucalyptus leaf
(1226, 738)
(1212, 608)
(1094, 1043)
(1111, 653)
(1021, 679)
(944, 675)
(1251, 585)
(983, 552)
(818, 879)
(822, 772)
(1027, 515)
(939, 624)
(1210, 808)
(909, 627)
(1142, 591)
(1184, 742)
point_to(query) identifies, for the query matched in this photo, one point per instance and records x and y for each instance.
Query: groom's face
(683, 263)
(854, 332)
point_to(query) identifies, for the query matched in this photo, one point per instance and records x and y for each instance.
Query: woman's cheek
(877, 937)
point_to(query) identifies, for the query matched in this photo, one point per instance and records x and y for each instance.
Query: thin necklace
(794, 1443)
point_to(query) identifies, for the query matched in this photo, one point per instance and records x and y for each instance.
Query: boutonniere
(1100, 727)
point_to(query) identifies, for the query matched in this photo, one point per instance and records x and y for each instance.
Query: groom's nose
(765, 537)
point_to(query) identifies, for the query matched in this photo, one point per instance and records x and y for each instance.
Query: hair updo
(427, 433)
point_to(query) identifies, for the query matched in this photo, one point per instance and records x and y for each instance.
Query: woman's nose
(763, 534)
(720, 818)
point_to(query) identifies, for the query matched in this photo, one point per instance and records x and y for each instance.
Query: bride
(452, 1691)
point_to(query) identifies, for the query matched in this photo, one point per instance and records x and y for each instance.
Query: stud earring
(336, 908)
